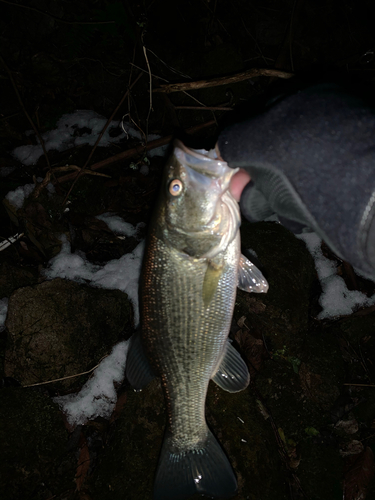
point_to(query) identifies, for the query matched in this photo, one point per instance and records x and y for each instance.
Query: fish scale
(173, 313)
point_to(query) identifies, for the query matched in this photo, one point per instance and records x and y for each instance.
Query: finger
(238, 182)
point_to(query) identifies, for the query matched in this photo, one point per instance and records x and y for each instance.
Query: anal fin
(232, 374)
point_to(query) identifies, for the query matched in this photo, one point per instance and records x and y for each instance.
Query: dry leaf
(84, 495)
(315, 387)
(253, 349)
(291, 449)
(83, 464)
(121, 400)
(262, 409)
(349, 426)
(355, 447)
(241, 321)
(255, 305)
(359, 471)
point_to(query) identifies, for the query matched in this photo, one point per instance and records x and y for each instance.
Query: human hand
(238, 181)
(311, 158)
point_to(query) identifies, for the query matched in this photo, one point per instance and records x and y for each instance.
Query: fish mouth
(204, 162)
(225, 221)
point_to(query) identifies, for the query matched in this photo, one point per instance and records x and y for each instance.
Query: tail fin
(205, 470)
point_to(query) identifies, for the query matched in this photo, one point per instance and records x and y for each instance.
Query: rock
(283, 313)
(304, 377)
(59, 328)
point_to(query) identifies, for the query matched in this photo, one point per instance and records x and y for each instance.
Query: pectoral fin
(211, 279)
(232, 374)
(250, 279)
(138, 369)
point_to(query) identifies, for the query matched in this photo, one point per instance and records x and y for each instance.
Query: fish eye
(175, 187)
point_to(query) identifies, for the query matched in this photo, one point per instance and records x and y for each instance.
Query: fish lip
(205, 164)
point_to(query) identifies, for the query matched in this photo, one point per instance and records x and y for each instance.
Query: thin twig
(8, 117)
(224, 80)
(362, 385)
(24, 109)
(39, 187)
(47, 178)
(150, 76)
(64, 378)
(205, 108)
(194, 98)
(35, 9)
(170, 67)
(201, 103)
(283, 452)
(255, 41)
(100, 136)
(76, 167)
(129, 82)
(135, 125)
(144, 71)
(218, 20)
(137, 150)
(291, 36)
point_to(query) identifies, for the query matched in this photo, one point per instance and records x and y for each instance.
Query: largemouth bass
(192, 267)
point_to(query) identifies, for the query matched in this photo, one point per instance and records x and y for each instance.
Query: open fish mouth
(204, 162)
(222, 225)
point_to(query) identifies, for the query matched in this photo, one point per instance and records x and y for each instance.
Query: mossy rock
(60, 328)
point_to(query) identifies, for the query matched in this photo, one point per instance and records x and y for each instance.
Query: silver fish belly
(188, 293)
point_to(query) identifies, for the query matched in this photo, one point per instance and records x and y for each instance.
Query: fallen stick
(204, 108)
(224, 80)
